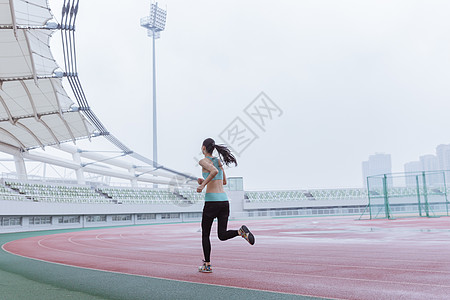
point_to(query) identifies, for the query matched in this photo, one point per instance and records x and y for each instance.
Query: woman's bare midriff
(215, 186)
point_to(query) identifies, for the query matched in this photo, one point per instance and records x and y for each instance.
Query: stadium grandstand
(38, 119)
(108, 183)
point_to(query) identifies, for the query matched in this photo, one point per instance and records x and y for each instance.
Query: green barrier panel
(408, 194)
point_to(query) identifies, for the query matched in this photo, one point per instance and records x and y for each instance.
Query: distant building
(443, 156)
(365, 172)
(429, 162)
(414, 166)
(426, 163)
(377, 164)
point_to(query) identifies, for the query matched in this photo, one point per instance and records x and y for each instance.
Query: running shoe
(205, 268)
(246, 234)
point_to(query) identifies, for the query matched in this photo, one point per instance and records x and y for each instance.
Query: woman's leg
(222, 223)
(206, 230)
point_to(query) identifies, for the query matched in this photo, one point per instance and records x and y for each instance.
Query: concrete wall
(236, 199)
(83, 223)
(53, 208)
(302, 204)
(28, 209)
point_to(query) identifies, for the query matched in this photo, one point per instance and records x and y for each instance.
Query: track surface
(323, 257)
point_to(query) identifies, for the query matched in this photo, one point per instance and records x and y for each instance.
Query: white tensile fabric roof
(35, 110)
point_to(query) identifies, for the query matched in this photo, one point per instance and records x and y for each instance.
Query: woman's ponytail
(224, 153)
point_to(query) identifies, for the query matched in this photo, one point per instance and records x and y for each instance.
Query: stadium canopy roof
(35, 111)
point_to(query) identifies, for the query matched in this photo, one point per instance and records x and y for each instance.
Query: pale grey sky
(352, 78)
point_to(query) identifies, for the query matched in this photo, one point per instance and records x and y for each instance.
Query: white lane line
(168, 279)
(251, 260)
(255, 271)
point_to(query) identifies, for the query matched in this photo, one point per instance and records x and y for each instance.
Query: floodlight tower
(154, 23)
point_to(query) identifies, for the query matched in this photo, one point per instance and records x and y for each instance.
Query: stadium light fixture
(154, 23)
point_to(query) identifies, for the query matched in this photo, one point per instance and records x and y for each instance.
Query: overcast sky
(351, 77)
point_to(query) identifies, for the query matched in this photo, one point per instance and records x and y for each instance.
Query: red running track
(335, 257)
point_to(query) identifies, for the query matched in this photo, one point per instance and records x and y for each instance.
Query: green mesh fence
(414, 194)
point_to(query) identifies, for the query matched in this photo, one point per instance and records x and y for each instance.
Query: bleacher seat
(40, 192)
(305, 195)
(151, 196)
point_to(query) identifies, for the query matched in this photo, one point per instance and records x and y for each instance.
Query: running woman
(216, 201)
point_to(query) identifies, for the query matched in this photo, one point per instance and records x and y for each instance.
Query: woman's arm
(224, 177)
(212, 173)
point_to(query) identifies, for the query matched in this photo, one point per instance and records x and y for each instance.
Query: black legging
(221, 211)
